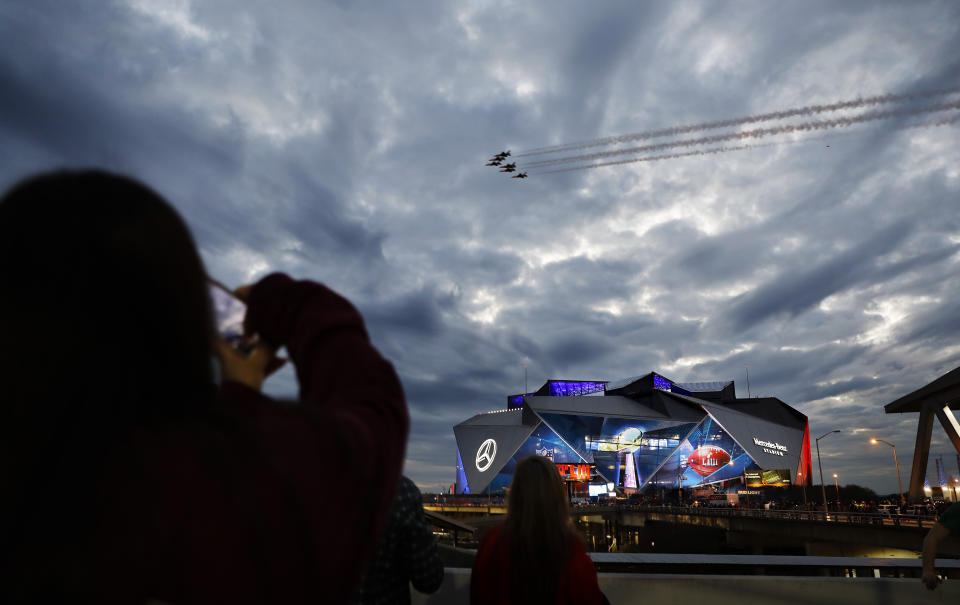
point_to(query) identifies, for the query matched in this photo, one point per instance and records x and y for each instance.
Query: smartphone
(228, 311)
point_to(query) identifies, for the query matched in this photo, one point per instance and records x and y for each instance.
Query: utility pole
(820, 464)
(896, 464)
(803, 486)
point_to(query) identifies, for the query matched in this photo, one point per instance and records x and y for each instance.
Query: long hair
(106, 325)
(539, 529)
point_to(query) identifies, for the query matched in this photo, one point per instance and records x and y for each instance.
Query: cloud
(344, 142)
(793, 294)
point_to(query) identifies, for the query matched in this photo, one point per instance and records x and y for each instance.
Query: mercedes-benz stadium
(637, 433)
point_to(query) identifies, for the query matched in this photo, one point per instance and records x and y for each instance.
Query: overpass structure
(937, 400)
(759, 531)
(438, 520)
(751, 530)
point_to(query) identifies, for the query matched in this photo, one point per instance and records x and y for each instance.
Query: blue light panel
(571, 388)
(661, 383)
(516, 401)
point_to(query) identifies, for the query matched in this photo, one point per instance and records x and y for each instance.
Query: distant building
(635, 433)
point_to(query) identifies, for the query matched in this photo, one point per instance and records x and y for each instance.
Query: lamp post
(896, 462)
(822, 488)
(837, 481)
(803, 486)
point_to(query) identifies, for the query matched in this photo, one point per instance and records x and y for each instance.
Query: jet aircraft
(494, 162)
(519, 175)
(512, 167)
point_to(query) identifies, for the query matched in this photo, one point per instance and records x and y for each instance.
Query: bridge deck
(845, 517)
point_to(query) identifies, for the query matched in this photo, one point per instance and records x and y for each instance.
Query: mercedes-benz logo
(486, 454)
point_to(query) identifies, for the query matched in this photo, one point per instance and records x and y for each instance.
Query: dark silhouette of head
(106, 326)
(539, 527)
(104, 293)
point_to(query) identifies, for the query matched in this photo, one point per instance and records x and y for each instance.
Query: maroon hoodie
(265, 501)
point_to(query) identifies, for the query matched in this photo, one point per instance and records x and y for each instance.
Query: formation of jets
(495, 160)
(498, 159)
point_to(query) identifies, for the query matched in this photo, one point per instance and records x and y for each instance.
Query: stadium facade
(642, 432)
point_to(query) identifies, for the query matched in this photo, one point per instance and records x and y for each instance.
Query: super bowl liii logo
(771, 448)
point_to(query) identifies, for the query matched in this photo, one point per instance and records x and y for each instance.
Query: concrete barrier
(732, 590)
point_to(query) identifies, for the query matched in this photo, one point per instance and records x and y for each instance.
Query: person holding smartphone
(128, 474)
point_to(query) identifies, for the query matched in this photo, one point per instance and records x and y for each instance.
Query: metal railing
(886, 519)
(797, 514)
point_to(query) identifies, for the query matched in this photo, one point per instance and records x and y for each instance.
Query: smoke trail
(809, 110)
(713, 151)
(655, 158)
(755, 134)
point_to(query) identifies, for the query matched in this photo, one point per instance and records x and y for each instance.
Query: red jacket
(266, 502)
(494, 564)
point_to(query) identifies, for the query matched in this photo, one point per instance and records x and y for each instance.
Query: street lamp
(896, 462)
(822, 488)
(837, 481)
(803, 486)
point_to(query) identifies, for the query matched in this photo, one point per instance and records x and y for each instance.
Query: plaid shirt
(951, 518)
(407, 554)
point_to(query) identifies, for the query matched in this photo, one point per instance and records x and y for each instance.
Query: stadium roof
(655, 405)
(712, 385)
(769, 408)
(622, 382)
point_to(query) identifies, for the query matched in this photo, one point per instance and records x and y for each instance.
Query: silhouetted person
(127, 474)
(407, 553)
(948, 523)
(536, 556)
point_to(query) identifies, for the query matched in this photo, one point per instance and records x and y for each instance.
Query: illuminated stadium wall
(640, 432)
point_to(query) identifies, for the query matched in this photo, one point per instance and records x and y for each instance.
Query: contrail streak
(808, 110)
(654, 158)
(713, 151)
(755, 134)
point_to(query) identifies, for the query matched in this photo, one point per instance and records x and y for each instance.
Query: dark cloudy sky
(345, 142)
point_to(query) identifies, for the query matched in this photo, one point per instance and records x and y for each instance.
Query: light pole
(822, 488)
(803, 486)
(896, 462)
(837, 481)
